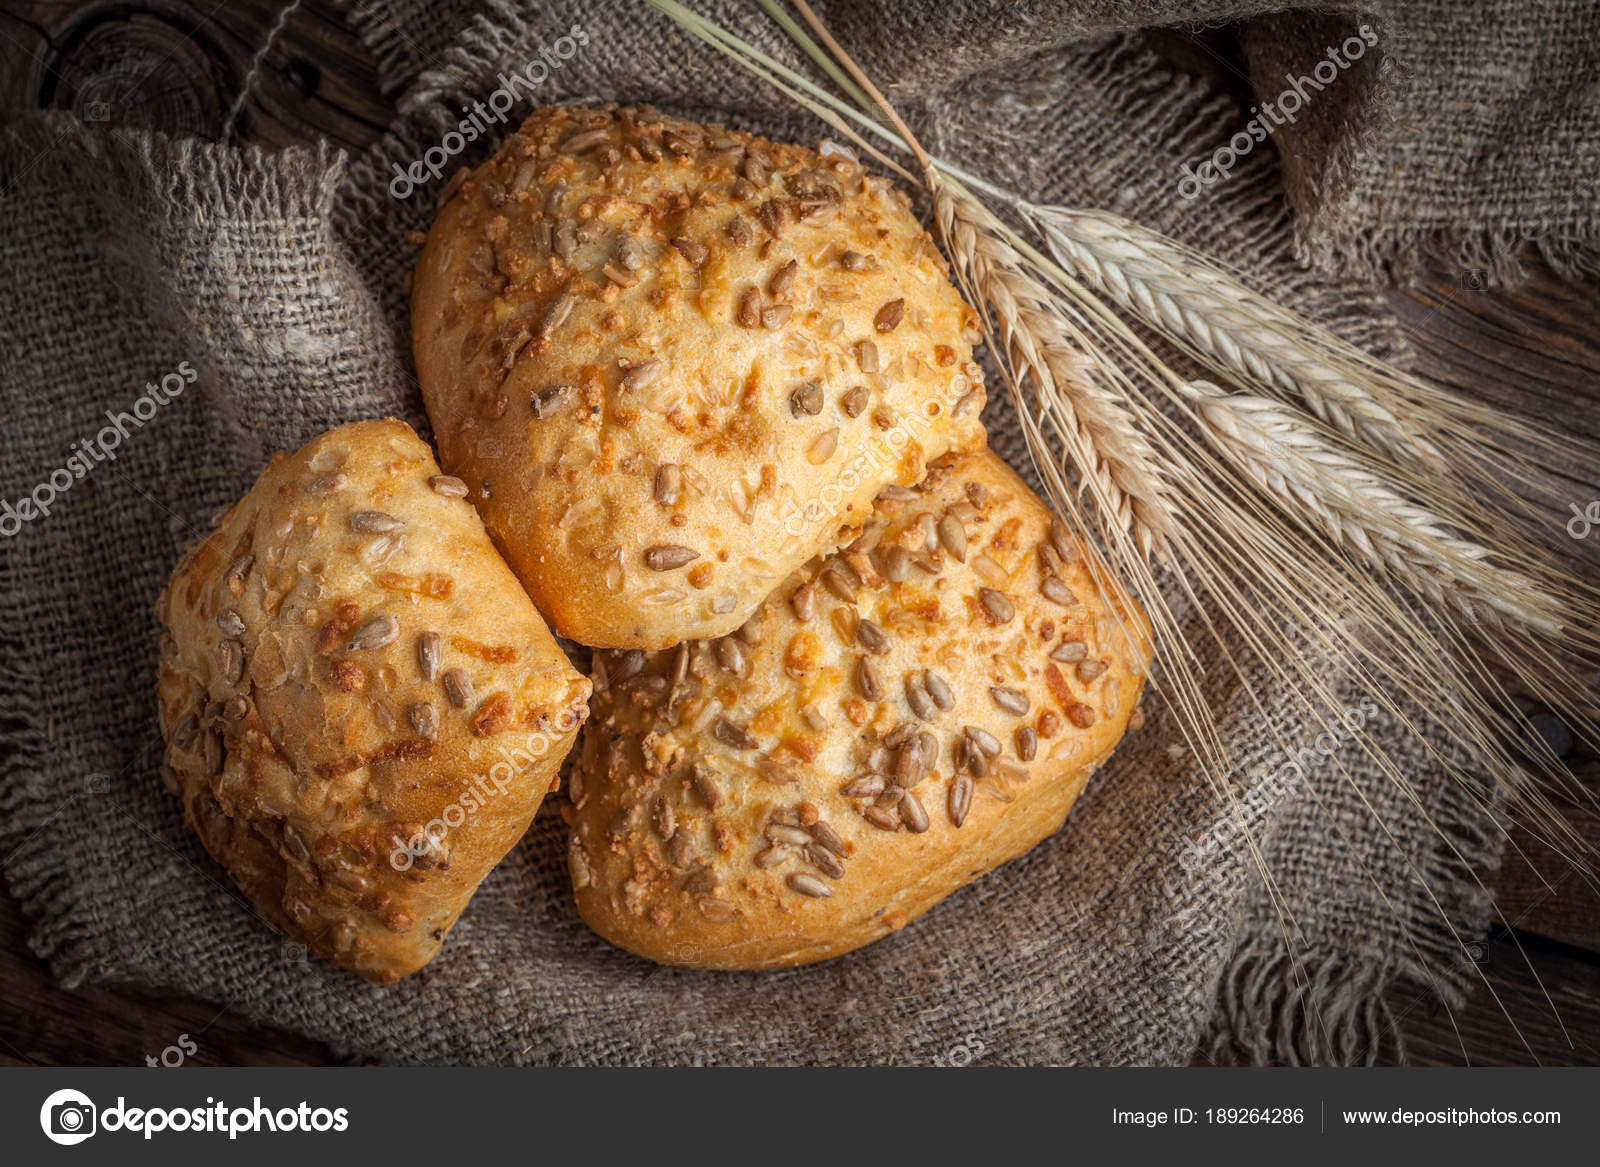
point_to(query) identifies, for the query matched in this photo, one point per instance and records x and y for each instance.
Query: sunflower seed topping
(792, 835)
(803, 601)
(833, 579)
(1027, 743)
(640, 376)
(231, 623)
(867, 356)
(984, 740)
(939, 690)
(327, 484)
(953, 535)
(782, 281)
(999, 607)
(701, 882)
(889, 316)
(230, 661)
(770, 857)
(912, 814)
(866, 786)
(868, 681)
(1061, 540)
(430, 651)
(1011, 700)
(668, 484)
(854, 261)
(374, 522)
(917, 697)
(1070, 651)
(376, 633)
(828, 837)
(872, 637)
(1091, 670)
(1057, 592)
(424, 720)
(706, 785)
(825, 861)
(807, 399)
(584, 140)
(808, 885)
(691, 250)
(776, 316)
(854, 402)
(897, 565)
(730, 734)
(448, 485)
(730, 655)
(458, 687)
(545, 402)
(669, 556)
(959, 799)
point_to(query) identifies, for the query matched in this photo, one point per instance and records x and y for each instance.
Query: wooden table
(177, 66)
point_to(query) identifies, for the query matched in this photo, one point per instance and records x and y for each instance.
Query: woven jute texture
(1139, 934)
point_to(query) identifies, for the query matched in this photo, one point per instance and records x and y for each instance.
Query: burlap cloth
(1140, 934)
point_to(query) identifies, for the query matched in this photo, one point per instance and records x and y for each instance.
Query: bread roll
(895, 721)
(362, 708)
(671, 360)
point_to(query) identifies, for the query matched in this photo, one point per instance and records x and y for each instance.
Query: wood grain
(179, 66)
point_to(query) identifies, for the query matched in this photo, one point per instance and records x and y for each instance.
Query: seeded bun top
(348, 665)
(895, 721)
(671, 361)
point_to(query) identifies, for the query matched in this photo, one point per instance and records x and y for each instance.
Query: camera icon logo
(68, 1117)
(97, 111)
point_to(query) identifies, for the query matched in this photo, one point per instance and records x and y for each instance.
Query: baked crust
(314, 757)
(672, 360)
(736, 802)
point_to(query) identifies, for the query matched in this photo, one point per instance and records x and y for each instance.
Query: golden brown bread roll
(895, 721)
(362, 708)
(671, 360)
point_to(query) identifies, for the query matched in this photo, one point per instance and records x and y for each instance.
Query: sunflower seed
(630, 254)
(231, 623)
(230, 661)
(1057, 592)
(753, 170)
(808, 885)
(545, 402)
(868, 681)
(430, 651)
(864, 543)
(640, 376)
(854, 261)
(691, 250)
(584, 140)
(424, 720)
(776, 771)
(1027, 743)
(776, 316)
(706, 785)
(1091, 670)
(872, 637)
(185, 731)
(376, 633)
(730, 655)
(828, 837)
(1011, 700)
(739, 231)
(566, 240)
(897, 565)
(909, 767)
(833, 579)
(803, 601)
(959, 799)
(917, 697)
(458, 687)
(681, 849)
(730, 734)
(824, 447)
(999, 607)
(701, 882)
(867, 356)
(628, 665)
(953, 535)
(1061, 539)
(782, 281)
(971, 759)
(327, 484)
(884, 820)
(912, 814)
(854, 402)
(1080, 715)
(1070, 651)
(557, 314)
(807, 399)
(668, 556)
(770, 857)
(889, 316)
(784, 833)
(867, 786)
(749, 314)
(939, 691)
(825, 861)
(677, 144)
(448, 486)
(374, 522)
(669, 484)
(983, 739)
